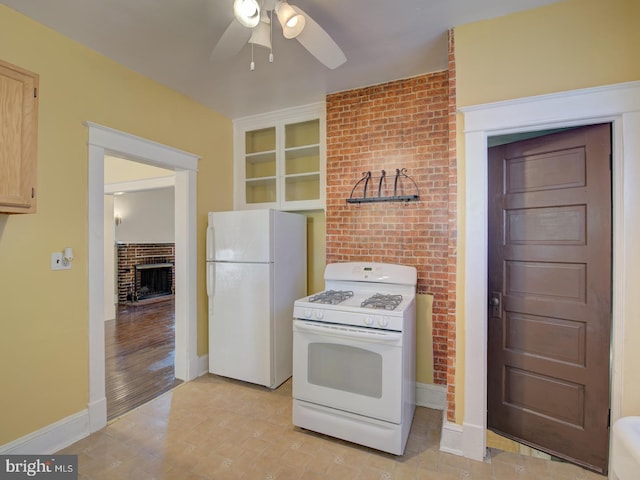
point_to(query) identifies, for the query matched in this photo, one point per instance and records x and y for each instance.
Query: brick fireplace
(145, 271)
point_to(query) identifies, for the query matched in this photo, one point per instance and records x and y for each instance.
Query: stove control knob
(307, 314)
(368, 321)
(383, 322)
(319, 314)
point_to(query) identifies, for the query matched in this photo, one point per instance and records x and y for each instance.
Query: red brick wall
(402, 124)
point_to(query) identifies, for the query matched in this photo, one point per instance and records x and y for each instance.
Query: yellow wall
(565, 46)
(44, 314)
(316, 235)
(424, 338)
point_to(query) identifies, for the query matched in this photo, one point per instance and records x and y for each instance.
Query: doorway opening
(103, 141)
(139, 233)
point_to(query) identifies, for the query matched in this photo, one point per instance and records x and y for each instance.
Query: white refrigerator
(256, 269)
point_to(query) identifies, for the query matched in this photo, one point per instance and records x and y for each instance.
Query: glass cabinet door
(260, 165)
(302, 161)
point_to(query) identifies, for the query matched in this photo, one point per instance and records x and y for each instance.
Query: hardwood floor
(139, 350)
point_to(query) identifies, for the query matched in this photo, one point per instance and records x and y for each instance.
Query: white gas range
(354, 355)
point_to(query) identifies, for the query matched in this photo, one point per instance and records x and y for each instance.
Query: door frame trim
(617, 104)
(103, 140)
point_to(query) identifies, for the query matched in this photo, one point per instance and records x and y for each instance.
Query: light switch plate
(57, 263)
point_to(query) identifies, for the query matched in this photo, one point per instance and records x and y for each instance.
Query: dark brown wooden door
(550, 293)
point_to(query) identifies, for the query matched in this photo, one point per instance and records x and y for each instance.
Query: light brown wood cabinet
(18, 139)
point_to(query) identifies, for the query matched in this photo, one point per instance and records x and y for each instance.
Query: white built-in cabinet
(280, 158)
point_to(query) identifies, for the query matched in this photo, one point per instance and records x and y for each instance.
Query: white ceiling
(171, 41)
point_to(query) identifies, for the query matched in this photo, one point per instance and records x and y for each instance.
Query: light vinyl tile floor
(216, 428)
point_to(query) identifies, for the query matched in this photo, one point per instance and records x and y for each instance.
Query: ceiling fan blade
(319, 43)
(231, 42)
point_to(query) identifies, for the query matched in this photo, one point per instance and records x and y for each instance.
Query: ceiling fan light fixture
(247, 12)
(261, 35)
(292, 22)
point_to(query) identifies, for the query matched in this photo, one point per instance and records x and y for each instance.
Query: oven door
(357, 370)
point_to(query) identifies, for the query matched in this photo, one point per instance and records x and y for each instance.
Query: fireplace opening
(153, 280)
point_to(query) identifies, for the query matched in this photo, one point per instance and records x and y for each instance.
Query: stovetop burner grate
(332, 297)
(382, 301)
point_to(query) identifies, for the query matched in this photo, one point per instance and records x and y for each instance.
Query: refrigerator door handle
(210, 250)
(210, 278)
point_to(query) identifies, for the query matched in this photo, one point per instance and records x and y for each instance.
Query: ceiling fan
(253, 24)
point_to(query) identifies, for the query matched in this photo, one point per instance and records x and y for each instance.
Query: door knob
(494, 301)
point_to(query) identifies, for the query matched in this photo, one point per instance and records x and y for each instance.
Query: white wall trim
(52, 438)
(185, 270)
(140, 149)
(619, 104)
(431, 396)
(103, 140)
(451, 436)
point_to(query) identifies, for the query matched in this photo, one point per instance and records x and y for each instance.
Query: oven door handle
(376, 336)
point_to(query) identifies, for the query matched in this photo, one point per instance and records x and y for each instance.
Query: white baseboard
(52, 438)
(431, 396)
(474, 441)
(451, 436)
(97, 414)
(203, 365)
(195, 366)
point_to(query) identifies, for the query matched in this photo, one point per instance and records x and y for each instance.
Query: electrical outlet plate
(57, 263)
